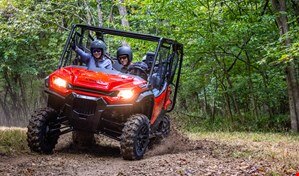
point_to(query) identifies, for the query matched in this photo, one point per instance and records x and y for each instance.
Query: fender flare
(144, 95)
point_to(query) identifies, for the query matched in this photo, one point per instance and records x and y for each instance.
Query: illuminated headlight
(60, 82)
(125, 94)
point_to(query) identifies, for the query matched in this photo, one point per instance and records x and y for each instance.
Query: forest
(240, 70)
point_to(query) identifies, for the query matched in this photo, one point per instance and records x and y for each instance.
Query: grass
(12, 140)
(248, 136)
(247, 123)
(281, 148)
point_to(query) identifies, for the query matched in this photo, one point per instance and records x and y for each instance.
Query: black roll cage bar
(178, 47)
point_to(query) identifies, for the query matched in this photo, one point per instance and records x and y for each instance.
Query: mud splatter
(176, 142)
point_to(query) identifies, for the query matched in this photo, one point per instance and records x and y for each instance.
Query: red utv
(130, 108)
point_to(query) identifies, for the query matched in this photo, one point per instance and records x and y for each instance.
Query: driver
(124, 56)
(97, 57)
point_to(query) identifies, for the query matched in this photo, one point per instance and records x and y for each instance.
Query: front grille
(94, 91)
(84, 106)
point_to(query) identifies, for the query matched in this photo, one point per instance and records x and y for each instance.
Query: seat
(156, 81)
(149, 59)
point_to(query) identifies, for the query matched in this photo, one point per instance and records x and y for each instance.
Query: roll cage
(166, 64)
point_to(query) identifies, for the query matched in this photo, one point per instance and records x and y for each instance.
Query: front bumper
(91, 114)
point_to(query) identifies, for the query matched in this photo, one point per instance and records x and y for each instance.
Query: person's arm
(84, 56)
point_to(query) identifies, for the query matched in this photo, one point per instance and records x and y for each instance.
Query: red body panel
(168, 102)
(107, 82)
(159, 104)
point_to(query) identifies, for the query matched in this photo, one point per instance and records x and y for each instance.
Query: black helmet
(125, 50)
(98, 44)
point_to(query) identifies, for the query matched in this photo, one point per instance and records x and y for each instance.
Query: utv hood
(100, 79)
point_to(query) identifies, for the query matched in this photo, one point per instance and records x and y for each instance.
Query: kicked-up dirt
(175, 155)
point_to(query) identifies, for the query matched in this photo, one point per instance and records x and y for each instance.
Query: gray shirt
(91, 62)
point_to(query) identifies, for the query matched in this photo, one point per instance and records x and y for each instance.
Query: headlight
(125, 94)
(60, 82)
(59, 85)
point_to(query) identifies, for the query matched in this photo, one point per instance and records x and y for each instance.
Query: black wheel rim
(142, 140)
(48, 134)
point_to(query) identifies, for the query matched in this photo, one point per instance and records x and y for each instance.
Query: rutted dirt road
(176, 155)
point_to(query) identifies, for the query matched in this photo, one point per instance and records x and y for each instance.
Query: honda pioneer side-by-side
(130, 107)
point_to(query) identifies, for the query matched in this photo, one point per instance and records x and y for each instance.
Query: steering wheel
(135, 70)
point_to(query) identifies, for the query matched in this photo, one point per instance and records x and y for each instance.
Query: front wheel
(43, 131)
(135, 137)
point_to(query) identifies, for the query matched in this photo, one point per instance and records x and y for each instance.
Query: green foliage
(12, 141)
(31, 41)
(231, 54)
(247, 123)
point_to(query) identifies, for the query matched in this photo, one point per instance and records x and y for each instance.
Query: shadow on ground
(104, 147)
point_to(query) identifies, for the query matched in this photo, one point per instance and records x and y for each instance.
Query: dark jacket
(91, 62)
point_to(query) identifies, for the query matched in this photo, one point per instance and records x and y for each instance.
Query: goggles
(96, 50)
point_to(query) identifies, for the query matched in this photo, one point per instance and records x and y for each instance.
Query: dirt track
(174, 156)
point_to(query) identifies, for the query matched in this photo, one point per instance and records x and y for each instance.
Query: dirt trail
(176, 155)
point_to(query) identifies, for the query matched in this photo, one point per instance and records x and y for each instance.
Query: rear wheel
(43, 131)
(164, 127)
(135, 137)
(162, 131)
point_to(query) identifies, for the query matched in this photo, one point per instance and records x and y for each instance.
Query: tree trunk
(124, 22)
(183, 103)
(279, 7)
(88, 14)
(23, 98)
(295, 5)
(230, 85)
(293, 91)
(266, 85)
(227, 100)
(253, 106)
(213, 111)
(205, 102)
(123, 13)
(100, 14)
(228, 107)
(5, 111)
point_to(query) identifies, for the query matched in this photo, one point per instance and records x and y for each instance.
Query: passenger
(124, 56)
(97, 57)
